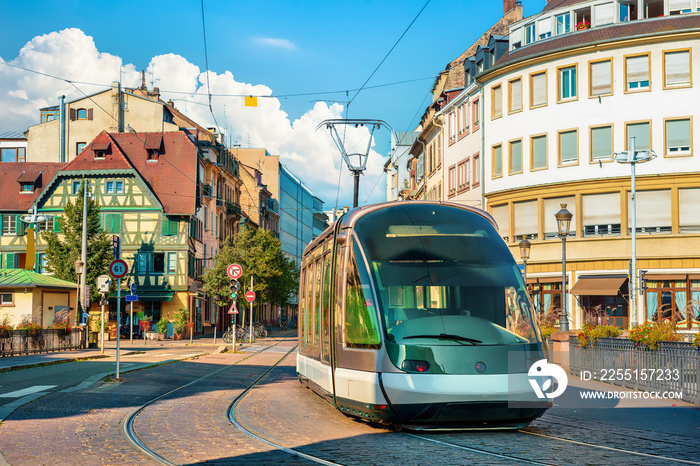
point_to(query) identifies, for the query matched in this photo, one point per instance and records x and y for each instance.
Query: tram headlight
(414, 365)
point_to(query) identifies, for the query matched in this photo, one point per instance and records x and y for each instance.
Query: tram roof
(349, 219)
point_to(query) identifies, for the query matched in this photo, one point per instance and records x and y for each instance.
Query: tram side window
(325, 338)
(309, 304)
(318, 300)
(361, 327)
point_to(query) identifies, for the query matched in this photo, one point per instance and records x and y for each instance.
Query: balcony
(232, 208)
(207, 190)
(219, 202)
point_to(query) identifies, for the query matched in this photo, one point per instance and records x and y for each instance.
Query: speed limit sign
(118, 268)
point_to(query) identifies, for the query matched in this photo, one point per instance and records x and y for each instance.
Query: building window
(6, 299)
(655, 217)
(628, 11)
(451, 180)
(567, 84)
(26, 188)
(677, 68)
(530, 35)
(496, 102)
(476, 176)
(688, 220)
(172, 262)
(13, 154)
(114, 187)
(9, 224)
(465, 115)
(502, 217)
(169, 226)
(75, 187)
(525, 220)
(601, 214)
(538, 89)
(463, 175)
(641, 132)
(563, 23)
(551, 207)
(544, 27)
(515, 101)
(515, 159)
(568, 147)
(79, 146)
(600, 80)
(48, 224)
(113, 223)
(157, 262)
(453, 127)
(637, 73)
(601, 142)
(678, 136)
(497, 161)
(538, 151)
(475, 117)
(604, 13)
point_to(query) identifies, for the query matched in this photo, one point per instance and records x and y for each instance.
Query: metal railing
(674, 366)
(207, 190)
(18, 342)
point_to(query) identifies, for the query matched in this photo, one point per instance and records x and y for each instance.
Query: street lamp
(524, 255)
(633, 156)
(563, 224)
(78, 271)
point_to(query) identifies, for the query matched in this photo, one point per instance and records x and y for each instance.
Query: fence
(19, 342)
(674, 366)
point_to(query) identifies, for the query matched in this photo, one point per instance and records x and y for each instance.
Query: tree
(62, 253)
(259, 253)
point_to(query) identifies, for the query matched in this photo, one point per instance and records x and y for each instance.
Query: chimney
(508, 5)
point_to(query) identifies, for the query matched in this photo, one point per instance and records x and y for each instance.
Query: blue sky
(281, 48)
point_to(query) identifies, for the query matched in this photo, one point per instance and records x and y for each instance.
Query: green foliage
(259, 252)
(548, 331)
(696, 339)
(162, 326)
(33, 329)
(179, 320)
(61, 253)
(63, 328)
(591, 333)
(650, 334)
(5, 326)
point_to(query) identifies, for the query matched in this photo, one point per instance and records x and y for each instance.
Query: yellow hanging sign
(251, 101)
(29, 261)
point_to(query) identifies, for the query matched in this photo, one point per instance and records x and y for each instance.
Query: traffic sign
(131, 298)
(250, 296)
(233, 309)
(133, 288)
(118, 268)
(234, 271)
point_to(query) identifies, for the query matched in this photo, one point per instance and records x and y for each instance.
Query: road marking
(6, 410)
(26, 391)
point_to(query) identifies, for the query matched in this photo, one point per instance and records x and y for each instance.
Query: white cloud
(309, 154)
(275, 43)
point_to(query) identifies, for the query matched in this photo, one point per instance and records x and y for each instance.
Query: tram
(414, 314)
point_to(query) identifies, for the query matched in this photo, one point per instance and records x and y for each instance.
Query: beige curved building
(580, 80)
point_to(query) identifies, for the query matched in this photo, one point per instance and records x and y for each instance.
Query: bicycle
(228, 336)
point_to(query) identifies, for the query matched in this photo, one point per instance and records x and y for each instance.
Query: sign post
(118, 270)
(250, 296)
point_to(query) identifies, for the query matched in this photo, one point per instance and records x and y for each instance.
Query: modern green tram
(415, 314)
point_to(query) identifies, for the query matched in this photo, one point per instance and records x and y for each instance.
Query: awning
(535, 280)
(598, 286)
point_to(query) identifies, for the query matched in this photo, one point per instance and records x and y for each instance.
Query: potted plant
(583, 25)
(179, 322)
(63, 328)
(162, 328)
(5, 327)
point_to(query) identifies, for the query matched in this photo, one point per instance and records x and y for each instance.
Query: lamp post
(633, 156)
(563, 224)
(78, 271)
(524, 246)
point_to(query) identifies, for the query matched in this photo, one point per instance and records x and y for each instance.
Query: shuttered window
(601, 78)
(641, 134)
(497, 161)
(688, 202)
(604, 14)
(502, 218)
(678, 136)
(539, 152)
(516, 102)
(601, 143)
(568, 146)
(551, 207)
(516, 157)
(601, 214)
(113, 223)
(637, 72)
(525, 221)
(497, 102)
(538, 85)
(677, 68)
(169, 226)
(653, 211)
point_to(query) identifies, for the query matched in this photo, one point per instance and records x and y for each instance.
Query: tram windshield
(443, 274)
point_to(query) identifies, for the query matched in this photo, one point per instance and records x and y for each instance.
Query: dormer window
(27, 181)
(152, 144)
(26, 188)
(99, 154)
(100, 149)
(152, 155)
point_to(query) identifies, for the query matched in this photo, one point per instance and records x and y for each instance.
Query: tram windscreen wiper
(446, 336)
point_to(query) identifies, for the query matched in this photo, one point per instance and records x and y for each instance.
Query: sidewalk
(125, 347)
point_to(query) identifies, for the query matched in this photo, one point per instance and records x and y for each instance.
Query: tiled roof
(172, 177)
(10, 172)
(552, 4)
(13, 135)
(619, 31)
(17, 278)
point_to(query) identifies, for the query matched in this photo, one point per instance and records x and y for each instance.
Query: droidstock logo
(545, 372)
